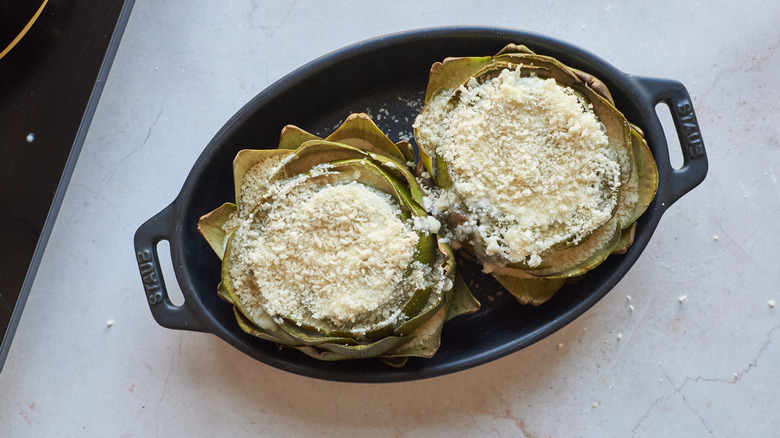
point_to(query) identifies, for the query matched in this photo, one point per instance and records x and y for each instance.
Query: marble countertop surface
(88, 359)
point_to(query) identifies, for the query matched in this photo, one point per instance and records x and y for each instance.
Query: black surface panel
(49, 86)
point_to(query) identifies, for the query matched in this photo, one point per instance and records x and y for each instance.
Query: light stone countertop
(706, 367)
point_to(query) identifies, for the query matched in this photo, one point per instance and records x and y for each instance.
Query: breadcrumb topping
(529, 161)
(333, 253)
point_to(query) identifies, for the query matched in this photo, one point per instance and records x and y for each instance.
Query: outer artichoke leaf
(395, 362)
(312, 334)
(530, 290)
(416, 304)
(647, 172)
(222, 293)
(392, 166)
(626, 239)
(426, 249)
(293, 137)
(250, 328)
(425, 340)
(303, 336)
(411, 325)
(453, 72)
(512, 48)
(595, 84)
(211, 228)
(319, 353)
(584, 257)
(461, 302)
(425, 163)
(450, 263)
(249, 158)
(362, 351)
(442, 174)
(312, 153)
(628, 198)
(326, 356)
(406, 149)
(359, 131)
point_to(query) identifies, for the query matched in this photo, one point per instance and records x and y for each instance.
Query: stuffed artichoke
(539, 176)
(328, 248)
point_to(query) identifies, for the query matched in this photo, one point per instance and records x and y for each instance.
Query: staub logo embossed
(690, 130)
(150, 278)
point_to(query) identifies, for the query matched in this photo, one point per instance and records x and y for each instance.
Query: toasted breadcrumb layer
(338, 254)
(529, 161)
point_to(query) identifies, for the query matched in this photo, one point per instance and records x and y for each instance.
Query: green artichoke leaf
(211, 227)
(638, 193)
(626, 239)
(313, 153)
(363, 351)
(406, 149)
(292, 137)
(584, 257)
(323, 355)
(647, 173)
(308, 335)
(425, 163)
(595, 84)
(426, 339)
(359, 131)
(513, 48)
(453, 72)
(534, 291)
(253, 329)
(425, 253)
(222, 293)
(442, 173)
(391, 166)
(461, 302)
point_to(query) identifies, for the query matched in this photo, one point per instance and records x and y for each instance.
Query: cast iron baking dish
(386, 77)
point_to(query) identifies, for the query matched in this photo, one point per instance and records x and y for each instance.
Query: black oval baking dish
(386, 77)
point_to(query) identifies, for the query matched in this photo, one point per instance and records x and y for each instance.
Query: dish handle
(694, 167)
(163, 310)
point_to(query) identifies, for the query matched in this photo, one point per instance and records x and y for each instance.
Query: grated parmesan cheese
(530, 164)
(313, 255)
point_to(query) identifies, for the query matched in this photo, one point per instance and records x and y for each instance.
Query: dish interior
(387, 78)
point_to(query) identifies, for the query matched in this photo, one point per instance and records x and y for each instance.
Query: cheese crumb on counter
(771, 304)
(682, 298)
